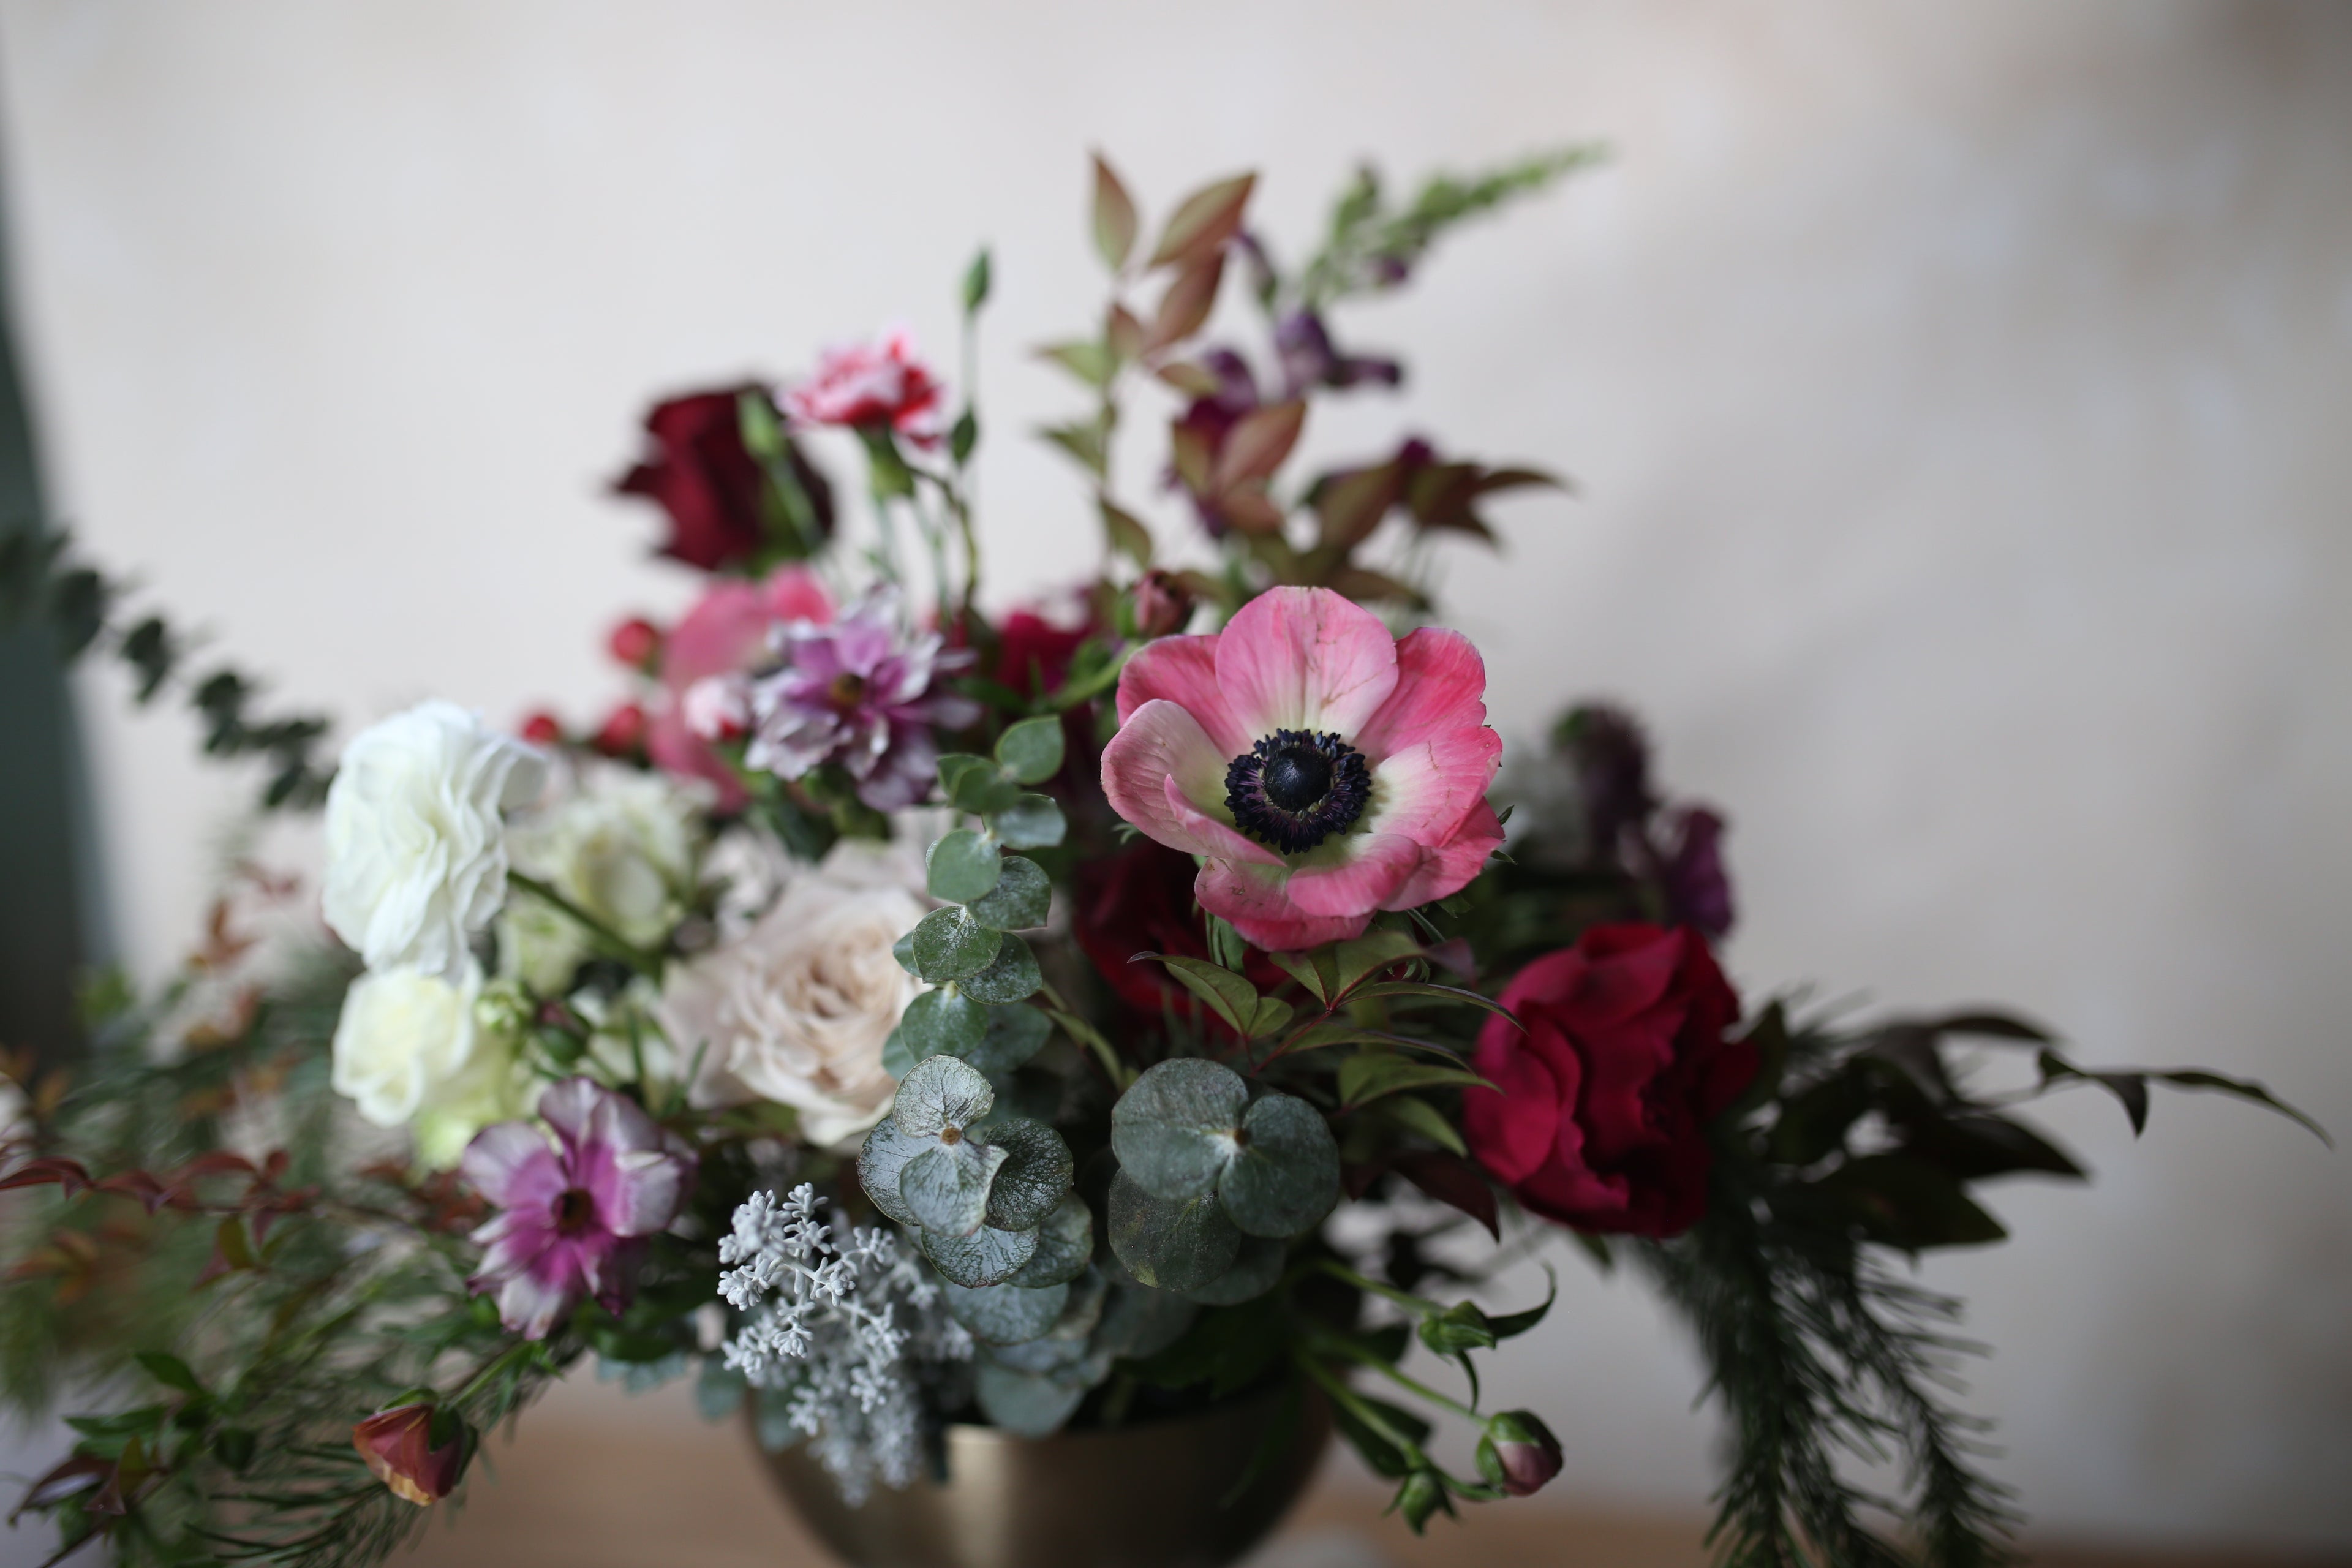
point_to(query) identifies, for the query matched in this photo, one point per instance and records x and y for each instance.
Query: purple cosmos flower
(860, 693)
(577, 1211)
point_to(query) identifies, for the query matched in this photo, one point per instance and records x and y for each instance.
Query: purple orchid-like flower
(861, 693)
(576, 1211)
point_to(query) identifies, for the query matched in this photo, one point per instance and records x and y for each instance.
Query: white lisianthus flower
(416, 858)
(403, 1037)
(797, 1008)
(624, 848)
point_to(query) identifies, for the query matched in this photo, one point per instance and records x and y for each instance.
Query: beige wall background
(1959, 394)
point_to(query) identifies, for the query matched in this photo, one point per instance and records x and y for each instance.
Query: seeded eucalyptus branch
(42, 580)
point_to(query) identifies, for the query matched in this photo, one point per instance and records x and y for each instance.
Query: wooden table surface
(584, 1485)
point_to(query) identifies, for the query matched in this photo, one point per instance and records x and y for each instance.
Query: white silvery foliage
(416, 852)
(850, 1331)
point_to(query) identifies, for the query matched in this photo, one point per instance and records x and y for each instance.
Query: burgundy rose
(1602, 1120)
(1032, 654)
(710, 484)
(1139, 900)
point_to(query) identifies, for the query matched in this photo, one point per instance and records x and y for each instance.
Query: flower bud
(417, 1450)
(1519, 1453)
(636, 642)
(1162, 606)
(1422, 1495)
(1462, 1327)
(543, 729)
(718, 708)
(623, 733)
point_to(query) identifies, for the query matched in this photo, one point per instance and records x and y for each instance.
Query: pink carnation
(1322, 767)
(873, 383)
(730, 630)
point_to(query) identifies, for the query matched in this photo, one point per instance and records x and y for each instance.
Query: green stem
(644, 962)
(1346, 1398)
(1341, 1271)
(1362, 1357)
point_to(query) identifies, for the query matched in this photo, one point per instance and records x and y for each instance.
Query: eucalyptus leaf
(1034, 1175)
(1257, 1269)
(1169, 1245)
(903, 950)
(943, 1023)
(946, 1186)
(940, 1093)
(1007, 1314)
(1031, 750)
(879, 1163)
(949, 944)
(1287, 1177)
(1065, 1243)
(1020, 899)
(898, 1057)
(981, 788)
(963, 867)
(1176, 1127)
(1013, 975)
(986, 1257)
(1027, 822)
(1141, 1321)
(1013, 1036)
(1023, 1403)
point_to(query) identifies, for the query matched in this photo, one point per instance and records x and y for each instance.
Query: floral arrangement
(894, 1013)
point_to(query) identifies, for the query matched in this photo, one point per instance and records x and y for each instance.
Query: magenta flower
(575, 1212)
(1323, 768)
(871, 384)
(728, 632)
(861, 694)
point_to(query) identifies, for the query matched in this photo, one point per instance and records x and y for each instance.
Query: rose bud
(543, 729)
(1519, 1453)
(1162, 606)
(623, 733)
(636, 642)
(417, 1450)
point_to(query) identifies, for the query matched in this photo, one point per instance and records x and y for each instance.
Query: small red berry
(543, 729)
(623, 733)
(636, 642)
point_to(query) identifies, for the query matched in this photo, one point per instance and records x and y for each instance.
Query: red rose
(708, 482)
(1032, 654)
(1140, 901)
(1600, 1123)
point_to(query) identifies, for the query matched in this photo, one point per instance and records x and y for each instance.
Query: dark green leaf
(1443, 992)
(963, 437)
(1286, 1176)
(1372, 1075)
(1412, 1111)
(963, 867)
(1031, 750)
(1231, 997)
(1007, 1314)
(945, 1023)
(940, 1093)
(1020, 898)
(169, 1370)
(1029, 822)
(946, 1187)
(949, 944)
(1066, 1243)
(1257, 1269)
(986, 1257)
(975, 283)
(1176, 1127)
(1169, 1245)
(1014, 1034)
(1013, 975)
(1033, 1177)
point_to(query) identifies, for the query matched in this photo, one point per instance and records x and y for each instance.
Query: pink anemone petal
(1161, 754)
(528, 1306)
(1441, 685)
(1254, 900)
(1427, 789)
(1184, 670)
(619, 1122)
(1217, 839)
(511, 1165)
(570, 1107)
(1376, 866)
(1305, 659)
(795, 593)
(1448, 867)
(637, 1191)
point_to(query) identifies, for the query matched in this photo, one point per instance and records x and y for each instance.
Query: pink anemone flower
(1322, 768)
(729, 632)
(576, 1211)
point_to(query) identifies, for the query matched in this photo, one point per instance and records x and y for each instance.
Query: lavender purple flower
(862, 694)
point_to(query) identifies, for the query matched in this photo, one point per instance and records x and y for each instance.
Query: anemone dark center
(846, 689)
(573, 1211)
(1296, 788)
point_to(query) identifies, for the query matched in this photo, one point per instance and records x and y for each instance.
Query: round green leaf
(1031, 822)
(986, 1257)
(1141, 1321)
(898, 1057)
(946, 1186)
(1031, 750)
(942, 1023)
(949, 944)
(879, 1163)
(1089, 1292)
(1007, 1314)
(1013, 975)
(940, 1093)
(1013, 1036)
(1019, 1402)
(1021, 899)
(1287, 1175)
(1034, 1178)
(903, 950)
(963, 867)
(1066, 1243)
(1257, 1269)
(1175, 1129)
(1169, 1245)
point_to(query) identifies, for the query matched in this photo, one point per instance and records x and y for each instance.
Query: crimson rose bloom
(1600, 1123)
(1139, 900)
(710, 484)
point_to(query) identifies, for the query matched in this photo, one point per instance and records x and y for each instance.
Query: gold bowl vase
(1144, 1495)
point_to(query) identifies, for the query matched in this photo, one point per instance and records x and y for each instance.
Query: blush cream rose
(798, 1007)
(417, 856)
